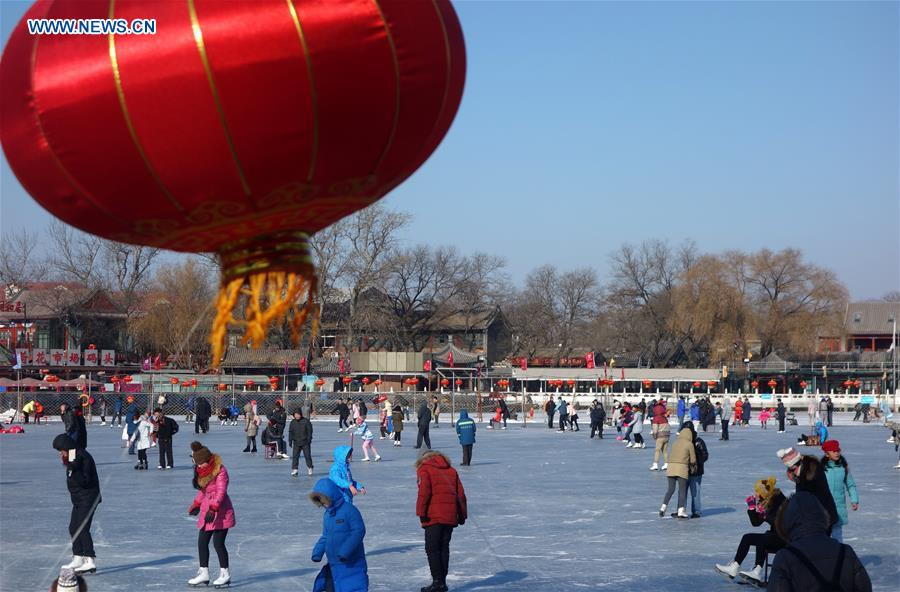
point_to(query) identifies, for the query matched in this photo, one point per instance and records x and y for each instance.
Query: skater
(563, 409)
(70, 424)
(725, 417)
(341, 542)
(661, 433)
(131, 425)
(277, 421)
(251, 426)
(695, 414)
(617, 419)
(84, 491)
(682, 456)
(498, 413)
(341, 475)
(746, 410)
(383, 416)
(224, 416)
(737, 412)
(102, 410)
(695, 479)
(812, 561)
(823, 410)
(628, 423)
(441, 507)
(811, 411)
(598, 416)
(27, 409)
(573, 417)
(680, 409)
(117, 412)
(808, 475)
(637, 429)
(368, 440)
(465, 429)
(762, 507)
(343, 413)
(215, 513)
(143, 427)
(300, 439)
(504, 411)
(764, 415)
(397, 422)
(817, 438)
(550, 409)
(829, 411)
(38, 411)
(354, 411)
(424, 423)
(435, 409)
(166, 427)
(203, 412)
(837, 473)
(781, 413)
(189, 407)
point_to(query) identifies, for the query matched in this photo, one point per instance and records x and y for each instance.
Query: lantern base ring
(273, 279)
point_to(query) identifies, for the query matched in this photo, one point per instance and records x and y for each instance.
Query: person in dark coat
(84, 491)
(343, 531)
(441, 507)
(808, 473)
(695, 478)
(80, 428)
(781, 412)
(166, 428)
(746, 410)
(300, 439)
(465, 429)
(69, 424)
(203, 412)
(829, 410)
(118, 406)
(363, 410)
(397, 422)
(550, 409)
(598, 416)
(504, 412)
(277, 421)
(424, 423)
(812, 561)
(343, 413)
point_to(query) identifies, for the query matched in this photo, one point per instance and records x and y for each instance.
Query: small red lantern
(172, 380)
(249, 383)
(193, 382)
(126, 379)
(772, 383)
(848, 383)
(320, 382)
(712, 383)
(648, 384)
(186, 383)
(570, 382)
(347, 380)
(365, 380)
(803, 384)
(377, 382)
(696, 384)
(857, 383)
(223, 386)
(459, 382)
(411, 381)
(445, 382)
(755, 384)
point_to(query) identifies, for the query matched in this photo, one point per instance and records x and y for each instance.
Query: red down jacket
(442, 499)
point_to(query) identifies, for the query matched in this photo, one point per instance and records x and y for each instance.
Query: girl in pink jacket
(216, 514)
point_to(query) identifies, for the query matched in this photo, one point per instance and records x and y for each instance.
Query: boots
(754, 576)
(664, 467)
(654, 467)
(224, 579)
(436, 586)
(662, 510)
(202, 577)
(87, 566)
(731, 570)
(682, 513)
(77, 560)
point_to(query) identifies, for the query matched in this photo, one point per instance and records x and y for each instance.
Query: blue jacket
(340, 472)
(189, 404)
(129, 418)
(695, 411)
(834, 474)
(822, 432)
(681, 407)
(341, 542)
(117, 405)
(465, 428)
(563, 407)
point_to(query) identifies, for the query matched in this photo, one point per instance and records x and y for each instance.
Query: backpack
(830, 586)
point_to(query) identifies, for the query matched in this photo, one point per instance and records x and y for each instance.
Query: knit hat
(200, 454)
(67, 580)
(764, 487)
(831, 446)
(63, 442)
(789, 457)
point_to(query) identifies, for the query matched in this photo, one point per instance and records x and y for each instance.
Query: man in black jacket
(203, 412)
(550, 409)
(424, 425)
(504, 412)
(84, 491)
(166, 427)
(598, 416)
(695, 478)
(781, 412)
(299, 438)
(68, 419)
(277, 421)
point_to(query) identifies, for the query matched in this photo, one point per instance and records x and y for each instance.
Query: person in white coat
(141, 437)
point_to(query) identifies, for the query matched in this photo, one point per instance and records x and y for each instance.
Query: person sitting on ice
(817, 438)
(343, 531)
(498, 414)
(68, 581)
(341, 475)
(233, 414)
(224, 415)
(762, 507)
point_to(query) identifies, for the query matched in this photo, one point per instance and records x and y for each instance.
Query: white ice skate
(731, 570)
(103, 423)
(897, 466)
(754, 576)
(202, 577)
(629, 445)
(340, 430)
(224, 579)
(87, 566)
(654, 467)
(294, 473)
(682, 513)
(662, 510)
(377, 457)
(365, 459)
(309, 471)
(76, 561)
(664, 467)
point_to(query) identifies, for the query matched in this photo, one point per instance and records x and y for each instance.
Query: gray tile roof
(871, 318)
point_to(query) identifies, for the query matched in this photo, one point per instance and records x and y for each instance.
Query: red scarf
(205, 470)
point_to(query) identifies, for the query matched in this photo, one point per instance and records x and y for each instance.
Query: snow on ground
(548, 512)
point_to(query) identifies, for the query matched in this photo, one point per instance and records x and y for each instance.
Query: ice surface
(548, 512)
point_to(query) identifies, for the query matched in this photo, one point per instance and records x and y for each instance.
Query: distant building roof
(871, 318)
(241, 357)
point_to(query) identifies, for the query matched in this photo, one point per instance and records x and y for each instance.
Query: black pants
(80, 530)
(142, 456)
(116, 418)
(218, 539)
(563, 418)
(436, 420)
(201, 424)
(437, 548)
(307, 455)
(165, 452)
(765, 542)
(26, 416)
(550, 420)
(780, 424)
(638, 438)
(829, 417)
(597, 427)
(342, 422)
(467, 455)
(423, 435)
(724, 429)
(251, 444)
(397, 436)
(682, 490)
(573, 422)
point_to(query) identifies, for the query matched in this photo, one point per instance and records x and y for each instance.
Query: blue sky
(588, 124)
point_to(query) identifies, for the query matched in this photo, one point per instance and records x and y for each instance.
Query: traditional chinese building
(869, 326)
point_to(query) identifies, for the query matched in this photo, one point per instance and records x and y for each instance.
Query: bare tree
(892, 296)
(74, 255)
(127, 272)
(20, 263)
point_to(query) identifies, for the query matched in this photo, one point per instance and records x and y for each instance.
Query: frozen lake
(548, 512)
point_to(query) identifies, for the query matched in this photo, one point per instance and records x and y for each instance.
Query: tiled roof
(240, 357)
(871, 318)
(460, 356)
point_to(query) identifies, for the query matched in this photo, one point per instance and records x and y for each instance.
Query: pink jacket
(215, 497)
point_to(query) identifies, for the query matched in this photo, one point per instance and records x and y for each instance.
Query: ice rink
(548, 512)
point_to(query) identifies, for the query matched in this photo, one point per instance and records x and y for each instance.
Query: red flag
(589, 360)
(604, 369)
(427, 366)
(450, 359)
(157, 364)
(623, 373)
(341, 365)
(303, 365)
(524, 364)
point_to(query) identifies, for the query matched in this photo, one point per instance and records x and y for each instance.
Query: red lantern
(458, 382)
(186, 383)
(648, 384)
(320, 382)
(249, 383)
(755, 384)
(172, 380)
(445, 382)
(223, 386)
(115, 379)
(803, 384)
(126, 379)
(377, 382)
(712, 383)
(570, 382)
(411, 381)
(772, 383)
(193, 382)
(696, 384)
(242, 140)
(347, 380)
(857, 383)
(848, 383)
(365, 380)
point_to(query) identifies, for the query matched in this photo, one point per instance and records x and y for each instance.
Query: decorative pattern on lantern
(223, 386)
(445, 382)
(347, 380)
(772, 383)
(803, 384)
(249, 383)
(755, 384)
(570, 383)
(377, 382)
(458, 382)
(648, 384)
(242, 141)
(365, 380)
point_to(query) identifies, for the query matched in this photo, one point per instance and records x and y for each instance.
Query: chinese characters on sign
(91, 357)
(62, 357)
(108, 357)
(73, 357)
(24, 354)
(7, 306)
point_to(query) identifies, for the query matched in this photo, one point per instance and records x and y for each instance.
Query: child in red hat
(840, 483)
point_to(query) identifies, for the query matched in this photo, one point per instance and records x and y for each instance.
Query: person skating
(141, 439)
(808, 474)
(504, 412)
(637, 428)
(661, 432)
(781, 413)
(813, 561)
(598, 416)
(343, 531)
(746, 411)
(435, 409)
(424, 424)
(251, 426)
(166, 428)
(811, 411)
(817, 438)
(682, 456)
(215, 513)
(70, 424)
(189, 409)
(829, 411)
(695, 414)
(441, 506)
(132, 420)
(550, 409)
(737, 412)
(342, 476)
(116, 418)
(277, 422)
(465, 429)
(203, 412)
(343, 413)
(300, 435)
(762, 507)
(563, 409)
(695, 479)
(84, 492)
(680, 409)
(397, 422)
(841, 484)
(764, 416)
(573, 417)
(368, 439)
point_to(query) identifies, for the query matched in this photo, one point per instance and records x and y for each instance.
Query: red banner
(589, 360)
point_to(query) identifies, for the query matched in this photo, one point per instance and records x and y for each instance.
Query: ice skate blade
(85, 572)
(750, 581)
(198, 584)
(225, 585)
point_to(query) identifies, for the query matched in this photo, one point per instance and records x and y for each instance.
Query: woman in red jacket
(214, 510)
(441, 507)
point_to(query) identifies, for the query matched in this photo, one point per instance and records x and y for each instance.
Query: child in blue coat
(341, 476)
(341, 542)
